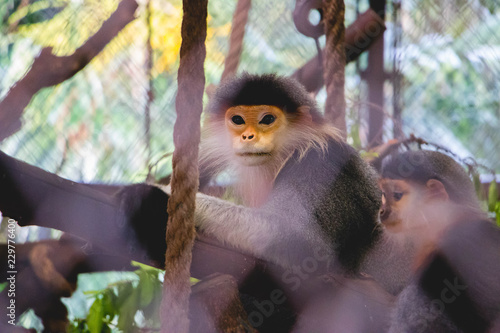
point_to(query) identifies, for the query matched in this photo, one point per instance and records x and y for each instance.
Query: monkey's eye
(397, 196)
(238, 120)
(268, 119)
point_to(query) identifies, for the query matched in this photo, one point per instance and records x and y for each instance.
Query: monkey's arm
(127, 221)
(389, 262)
(282, 235)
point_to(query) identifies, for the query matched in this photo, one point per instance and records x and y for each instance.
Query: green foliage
(34, 15)
(491, 5)
(497, 213)
(490, 201)
(124, 306)
(493, 201)
(355, 137)
(492, 196)
(92, 127)
(450, 68)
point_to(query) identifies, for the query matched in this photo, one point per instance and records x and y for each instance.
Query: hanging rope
(181, 205)
(397, 84)
(334, 63)
(240, 18)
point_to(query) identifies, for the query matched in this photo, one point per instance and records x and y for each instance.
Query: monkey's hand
(282, 236)
(230, 222)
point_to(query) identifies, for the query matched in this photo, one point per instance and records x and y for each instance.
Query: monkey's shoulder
(340, 192)
(335, 182)
(338, 164)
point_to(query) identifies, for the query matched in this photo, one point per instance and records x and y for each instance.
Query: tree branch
(49, 70)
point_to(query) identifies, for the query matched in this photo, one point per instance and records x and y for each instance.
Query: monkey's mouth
(256, 154)
(393, 225)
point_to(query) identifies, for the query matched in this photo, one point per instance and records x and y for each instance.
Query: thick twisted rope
(181, 205)
(334, 63)
(240, 18)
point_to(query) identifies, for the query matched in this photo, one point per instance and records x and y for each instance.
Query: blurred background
(113, 120)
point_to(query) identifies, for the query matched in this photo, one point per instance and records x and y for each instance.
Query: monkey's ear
(304, 114)
(436, 190)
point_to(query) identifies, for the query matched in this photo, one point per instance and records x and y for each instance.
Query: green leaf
(37, 12)
(492, 196)
(125, 289)
(127, 311)
(106, 329)
(147, 288)
(41, 15)
(144, 267)
(151, 311)
(78, 326)
(95, 317)
(108, 304)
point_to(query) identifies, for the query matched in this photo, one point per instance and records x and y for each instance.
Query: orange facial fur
(397, 199)
(256, 131)
(416, 212)
(254, 142)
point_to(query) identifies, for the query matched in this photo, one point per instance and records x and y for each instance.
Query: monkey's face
(401, 204)
(256, 132)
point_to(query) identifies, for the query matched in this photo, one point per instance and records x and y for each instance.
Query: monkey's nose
(247, 137)
(385, 211)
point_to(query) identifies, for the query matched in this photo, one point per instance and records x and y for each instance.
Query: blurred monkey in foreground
(424, 192)
(431, 202)
(301, 191)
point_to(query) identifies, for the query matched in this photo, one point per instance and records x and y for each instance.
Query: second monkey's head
(420, 184)
(259, 118)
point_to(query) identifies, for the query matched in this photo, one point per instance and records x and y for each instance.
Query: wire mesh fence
(450, 60)
(114, 119)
